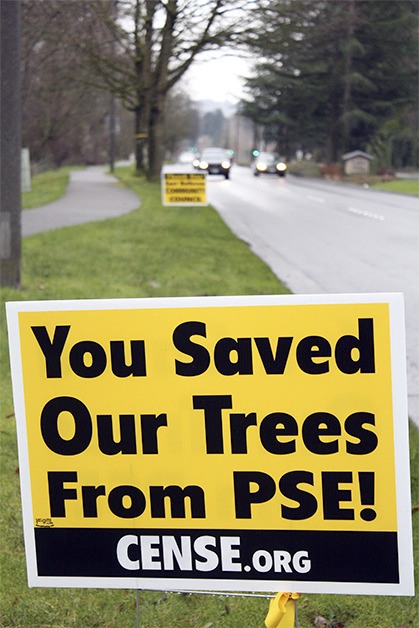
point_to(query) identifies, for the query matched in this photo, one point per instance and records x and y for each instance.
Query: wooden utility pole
(10, 153)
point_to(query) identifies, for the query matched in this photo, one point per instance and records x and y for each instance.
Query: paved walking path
(91, 195)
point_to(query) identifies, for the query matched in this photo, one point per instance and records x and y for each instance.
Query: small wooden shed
(357, 162)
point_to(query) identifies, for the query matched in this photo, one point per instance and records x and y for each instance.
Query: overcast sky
(217, 79)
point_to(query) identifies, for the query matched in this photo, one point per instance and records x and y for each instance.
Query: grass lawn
(46, 188)
(153, 251)
(403, 186)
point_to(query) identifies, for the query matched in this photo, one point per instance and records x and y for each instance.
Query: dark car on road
(215, 161)
(269, 163)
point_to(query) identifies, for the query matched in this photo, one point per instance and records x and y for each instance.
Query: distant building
(240, 138)
(357, 162)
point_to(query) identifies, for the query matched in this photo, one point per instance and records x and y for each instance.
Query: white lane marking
(317, 199)
(365, 214)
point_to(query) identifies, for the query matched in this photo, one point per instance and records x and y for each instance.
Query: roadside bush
(331, 171)
(304, 169)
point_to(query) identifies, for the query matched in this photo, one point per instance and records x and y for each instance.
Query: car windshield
(267, 157)
(214, 154)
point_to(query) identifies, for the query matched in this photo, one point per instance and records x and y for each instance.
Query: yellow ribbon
(282, 609)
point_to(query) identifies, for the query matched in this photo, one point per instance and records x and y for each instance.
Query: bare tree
(140, 49)
(182, 121)
(63, 119)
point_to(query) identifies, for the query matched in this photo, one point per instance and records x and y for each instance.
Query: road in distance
(324, 237)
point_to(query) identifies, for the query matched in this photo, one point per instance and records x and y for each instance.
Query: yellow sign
(233, 443)
(184, 188)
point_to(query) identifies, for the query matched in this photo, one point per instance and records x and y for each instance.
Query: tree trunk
(335, 131)
(159, 90)
(141, 136)
(156, 138)
(347, 88)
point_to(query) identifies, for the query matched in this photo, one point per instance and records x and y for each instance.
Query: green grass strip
(46, 188)
(402, 186)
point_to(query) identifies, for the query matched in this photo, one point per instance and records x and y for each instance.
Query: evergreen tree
(332, 73)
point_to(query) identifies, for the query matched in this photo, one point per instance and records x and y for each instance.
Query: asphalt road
(323, 237)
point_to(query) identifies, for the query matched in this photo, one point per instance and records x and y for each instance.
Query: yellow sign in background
(184, 188)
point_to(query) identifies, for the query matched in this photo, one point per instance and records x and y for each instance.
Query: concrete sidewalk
(91, 195)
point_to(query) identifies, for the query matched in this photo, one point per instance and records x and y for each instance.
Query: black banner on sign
(367, 557)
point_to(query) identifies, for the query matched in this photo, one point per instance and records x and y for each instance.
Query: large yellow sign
(249, 443)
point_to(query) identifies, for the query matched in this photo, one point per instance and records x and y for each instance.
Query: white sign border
(401, 444)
